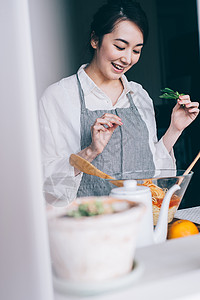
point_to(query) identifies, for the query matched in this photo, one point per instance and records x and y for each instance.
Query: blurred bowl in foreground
(94, 248)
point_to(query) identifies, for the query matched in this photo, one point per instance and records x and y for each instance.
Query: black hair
(113, 12)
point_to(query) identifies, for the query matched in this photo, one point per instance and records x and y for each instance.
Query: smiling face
(119, 51)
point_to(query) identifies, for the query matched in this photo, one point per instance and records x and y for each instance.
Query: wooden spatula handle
(86, 167)
(189, 168)
(192, 164)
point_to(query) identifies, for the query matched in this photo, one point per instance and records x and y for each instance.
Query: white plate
(89, 289)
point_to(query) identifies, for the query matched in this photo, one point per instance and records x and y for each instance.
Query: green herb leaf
(167, 90)
(170, 94)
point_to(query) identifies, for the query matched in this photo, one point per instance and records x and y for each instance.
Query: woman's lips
(117, 68)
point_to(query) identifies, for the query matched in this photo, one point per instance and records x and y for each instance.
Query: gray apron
(127, 151)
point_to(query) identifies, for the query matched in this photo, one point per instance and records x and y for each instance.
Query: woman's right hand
(101, 134)
(100, 137)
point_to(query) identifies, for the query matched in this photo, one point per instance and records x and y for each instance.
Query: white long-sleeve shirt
(59, 114)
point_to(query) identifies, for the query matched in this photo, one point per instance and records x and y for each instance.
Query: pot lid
(130, 187)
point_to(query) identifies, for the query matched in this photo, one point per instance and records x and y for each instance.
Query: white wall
(51, 39)
(25, 270)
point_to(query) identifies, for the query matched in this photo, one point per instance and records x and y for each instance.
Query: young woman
(102, 117)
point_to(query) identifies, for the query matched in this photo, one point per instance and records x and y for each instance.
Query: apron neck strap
(81, 94)
(132, 105)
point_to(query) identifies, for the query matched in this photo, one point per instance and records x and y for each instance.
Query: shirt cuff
(164, 159)
(60, 184)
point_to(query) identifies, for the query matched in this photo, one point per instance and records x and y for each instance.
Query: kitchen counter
(171, 270)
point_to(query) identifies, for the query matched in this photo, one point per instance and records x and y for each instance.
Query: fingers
(103, 122)
(191, 106)
(98, 127)
(184, 97)
(183, 100)
(114, 119)
(193, 110)
(109, 120)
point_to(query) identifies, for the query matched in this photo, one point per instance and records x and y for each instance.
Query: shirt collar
(126, 84)
(88, 84)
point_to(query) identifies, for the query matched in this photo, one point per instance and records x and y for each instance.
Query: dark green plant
(170, 94)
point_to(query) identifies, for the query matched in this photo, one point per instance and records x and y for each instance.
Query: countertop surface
(171, 270)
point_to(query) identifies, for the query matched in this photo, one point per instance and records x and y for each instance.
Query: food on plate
(182, 228)
(158, 195)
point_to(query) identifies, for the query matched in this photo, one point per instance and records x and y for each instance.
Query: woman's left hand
(182, 116)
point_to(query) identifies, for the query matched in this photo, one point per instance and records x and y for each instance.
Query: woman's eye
(136, 52)
(119, 48)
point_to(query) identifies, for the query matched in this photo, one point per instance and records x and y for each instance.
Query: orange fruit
(182, 228)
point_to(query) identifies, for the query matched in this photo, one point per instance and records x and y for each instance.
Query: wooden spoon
(86, 167)
(189, 168)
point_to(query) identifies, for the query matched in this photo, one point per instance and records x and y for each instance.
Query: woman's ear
(94, 44)
(94, 40)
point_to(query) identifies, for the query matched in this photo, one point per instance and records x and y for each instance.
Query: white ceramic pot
(93, 249)
(139, 194)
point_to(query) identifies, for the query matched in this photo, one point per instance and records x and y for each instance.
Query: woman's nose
(127, 58)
